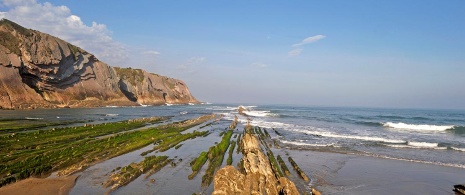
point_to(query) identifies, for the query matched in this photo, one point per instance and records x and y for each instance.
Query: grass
(18, 125)
(215, 156)
(197, 164)
(298, 170)
(231, 150)
(274, 163)
(134, 76)
(266, 133)
(73, 148)
(238, 141)
(178, 146)
(169, 142)
(283, 166)
(134, 170)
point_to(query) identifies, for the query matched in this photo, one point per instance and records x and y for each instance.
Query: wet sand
(353, 174)
(38, 186)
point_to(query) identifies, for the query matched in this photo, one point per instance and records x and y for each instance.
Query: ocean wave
(458, 149)
(222, 108)
(111, 114)
(356, 137)
(390, 117)
(415, 147)
(418, 127)
(423, 144)
(458, 129)
(268, 124)
(301, 143)
(257, 113)
(368, 123)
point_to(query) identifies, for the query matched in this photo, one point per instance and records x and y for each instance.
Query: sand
(353, 174)
(37, 186)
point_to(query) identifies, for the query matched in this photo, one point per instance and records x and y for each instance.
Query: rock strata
(42, 71)
(257, 176)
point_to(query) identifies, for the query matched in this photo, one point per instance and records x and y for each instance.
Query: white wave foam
(32, 118)
(306, 144)
(111, 114)
(418, 127)
(322, 132)
(458, 149)
(222, 108)
(423, 144)
(267, 124)
(257, 113)
(247, 106)
(418, 145)
(356, 137)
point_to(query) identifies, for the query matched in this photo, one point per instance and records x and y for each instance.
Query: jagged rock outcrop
(258, 177)
(39, 70)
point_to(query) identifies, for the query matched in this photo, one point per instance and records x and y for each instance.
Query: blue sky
(334, 53)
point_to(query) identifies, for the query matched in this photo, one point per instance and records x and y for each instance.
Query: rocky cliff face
(39, 70)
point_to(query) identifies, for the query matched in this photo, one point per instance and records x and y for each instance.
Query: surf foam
(424, 127)
(356, 137)
(306, 144)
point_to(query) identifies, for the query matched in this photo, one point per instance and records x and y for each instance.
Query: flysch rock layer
(258, 177)
(38, 70)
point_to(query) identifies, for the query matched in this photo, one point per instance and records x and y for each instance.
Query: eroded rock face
(258, 177)
(39, 70)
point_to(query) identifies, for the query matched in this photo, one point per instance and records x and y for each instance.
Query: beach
(335, 173)
(41, 186)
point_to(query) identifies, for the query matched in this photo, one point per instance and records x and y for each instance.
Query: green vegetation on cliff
(134, 76)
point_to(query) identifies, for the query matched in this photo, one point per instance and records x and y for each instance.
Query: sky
(360, 53)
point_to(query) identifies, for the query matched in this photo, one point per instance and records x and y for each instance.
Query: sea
(430, 136)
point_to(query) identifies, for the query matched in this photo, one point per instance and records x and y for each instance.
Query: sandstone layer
(41, 71)
(258, 176)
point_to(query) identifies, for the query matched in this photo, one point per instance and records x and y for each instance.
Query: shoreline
(56, 107)
(336, 173)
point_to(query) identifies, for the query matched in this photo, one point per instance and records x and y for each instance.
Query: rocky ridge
(258, 176)
(41, 71)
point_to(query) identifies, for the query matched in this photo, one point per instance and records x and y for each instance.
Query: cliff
(42, 71)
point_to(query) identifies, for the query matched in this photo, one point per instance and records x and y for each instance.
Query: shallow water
(431, 138)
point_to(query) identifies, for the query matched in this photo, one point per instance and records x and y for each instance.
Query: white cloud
(151, 52)
(309, 40)
(60, 22)
(182, 67)
(188, 66)
(295, 52)
(259, 65)
(196, 60)
(18, 2)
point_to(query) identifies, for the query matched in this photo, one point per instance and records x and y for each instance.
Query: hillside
(42, 71)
